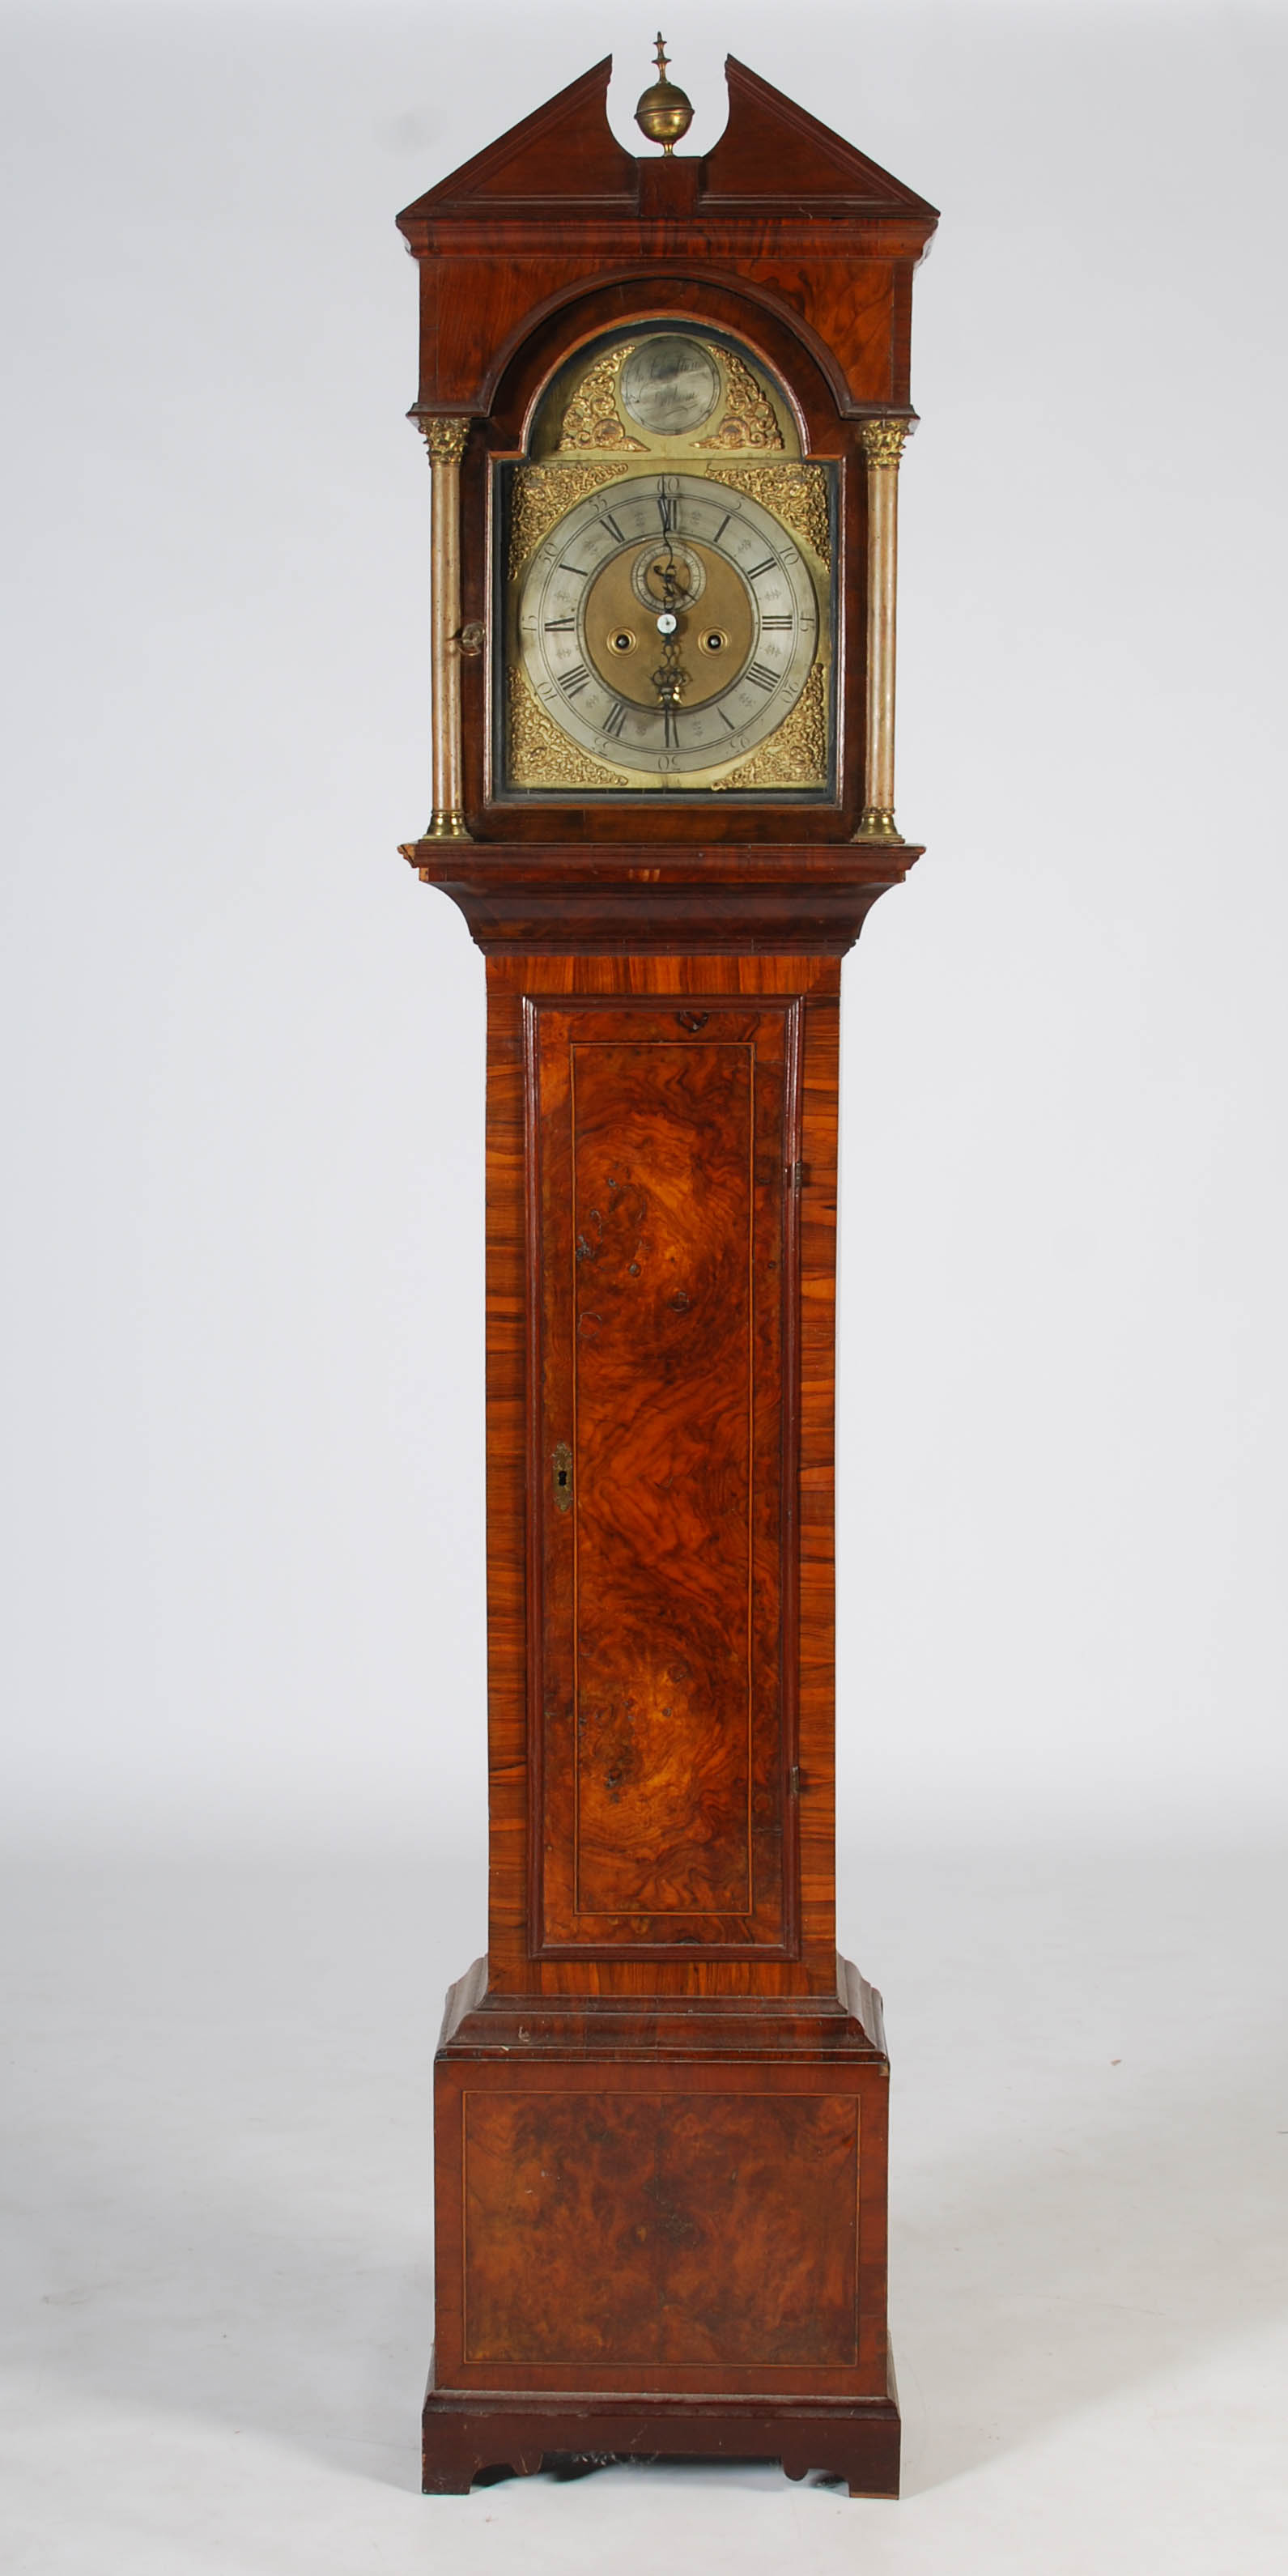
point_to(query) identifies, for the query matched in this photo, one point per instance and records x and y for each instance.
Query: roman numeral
(670, 737)
(763, 678)
(726, 720)
(666, 511)
(616, 720)
(754, 571)
(574, 681)
(559, 625)
(721, 529)
(580, 569)
(606, 520)
(776, 625)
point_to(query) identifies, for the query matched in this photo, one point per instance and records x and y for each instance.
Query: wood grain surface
(663, 1151)
(781, 204)
(729, 898)
(786, 1007)
(627, 2223)
(855, 2440)
(731, 2232)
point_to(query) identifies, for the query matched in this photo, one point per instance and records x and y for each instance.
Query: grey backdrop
(244, 1048)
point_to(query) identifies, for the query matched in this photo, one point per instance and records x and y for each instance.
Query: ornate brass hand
(670, 675)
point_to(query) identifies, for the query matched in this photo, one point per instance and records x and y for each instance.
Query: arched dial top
(668, 624)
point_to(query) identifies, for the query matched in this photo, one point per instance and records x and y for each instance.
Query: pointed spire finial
(664, 113)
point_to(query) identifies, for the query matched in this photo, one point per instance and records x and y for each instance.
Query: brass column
(445, 438)
(883, 447)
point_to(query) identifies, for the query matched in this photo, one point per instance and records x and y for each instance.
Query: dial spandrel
(668, 625)
(670, 385)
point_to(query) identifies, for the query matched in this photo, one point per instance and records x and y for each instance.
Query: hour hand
(670, 675)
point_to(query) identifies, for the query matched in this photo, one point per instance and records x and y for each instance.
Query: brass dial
(715, 613)
(668, 625)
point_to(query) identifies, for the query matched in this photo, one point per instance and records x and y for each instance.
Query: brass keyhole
(561, 1468)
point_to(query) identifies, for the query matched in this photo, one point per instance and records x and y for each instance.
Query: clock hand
(670, 675)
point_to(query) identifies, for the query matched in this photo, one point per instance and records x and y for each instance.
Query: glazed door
(662, 1161)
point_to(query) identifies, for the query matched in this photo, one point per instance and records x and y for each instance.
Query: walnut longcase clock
(665, 400)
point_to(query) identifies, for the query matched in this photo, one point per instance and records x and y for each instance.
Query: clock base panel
(464, 2436)
(661, 2232)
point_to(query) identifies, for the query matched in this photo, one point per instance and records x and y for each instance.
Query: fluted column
(445, 438)
(883, 446)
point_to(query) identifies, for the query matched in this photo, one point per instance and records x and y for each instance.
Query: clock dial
(670, 385)
(668, 624)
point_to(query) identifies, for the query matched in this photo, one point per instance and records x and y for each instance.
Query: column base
(446, 827)
(853, 2439)
(877, 823)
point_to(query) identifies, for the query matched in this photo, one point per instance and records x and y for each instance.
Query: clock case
(660, 2144)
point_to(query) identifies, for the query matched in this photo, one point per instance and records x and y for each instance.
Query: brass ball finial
(664, 113)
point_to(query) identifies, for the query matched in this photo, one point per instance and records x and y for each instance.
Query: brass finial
(664, 113)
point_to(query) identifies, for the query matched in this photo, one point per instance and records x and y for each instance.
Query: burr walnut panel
(663, 1152)
(725, 2229)
(522, 987)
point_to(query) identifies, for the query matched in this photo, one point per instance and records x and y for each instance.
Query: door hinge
(799, 1175)
(794, 1781)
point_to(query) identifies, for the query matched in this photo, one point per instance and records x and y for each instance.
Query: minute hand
(670, 675)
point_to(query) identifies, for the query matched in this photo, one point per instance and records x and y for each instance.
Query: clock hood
(780, 204)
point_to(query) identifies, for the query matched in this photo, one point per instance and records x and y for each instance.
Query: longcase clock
(665, 400)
